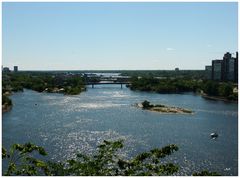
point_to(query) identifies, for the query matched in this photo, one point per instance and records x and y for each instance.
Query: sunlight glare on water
(65, 125)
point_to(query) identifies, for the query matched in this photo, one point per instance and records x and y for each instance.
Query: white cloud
(170, 49)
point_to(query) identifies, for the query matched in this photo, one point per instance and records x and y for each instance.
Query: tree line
(190, 74)
(43, 82)
(39, 81)
(179, 85)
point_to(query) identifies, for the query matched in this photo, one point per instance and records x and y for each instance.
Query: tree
(6, 100)
(206, 173)
(146, 104)
(225, 89)
(105, 162)
(211, 88)
(21, 161)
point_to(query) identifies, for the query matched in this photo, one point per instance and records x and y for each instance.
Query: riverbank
(6, 103)
(64, 83)
(6, 108)
(163, 108)
(218, 98)
(66, 91)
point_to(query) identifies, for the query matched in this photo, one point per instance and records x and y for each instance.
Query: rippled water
(65, 125)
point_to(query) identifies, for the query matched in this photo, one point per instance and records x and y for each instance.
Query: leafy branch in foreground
(105, 162)
(108, 163)
(21, 160)
(206, 173)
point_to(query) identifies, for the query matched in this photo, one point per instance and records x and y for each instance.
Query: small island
(163, 108)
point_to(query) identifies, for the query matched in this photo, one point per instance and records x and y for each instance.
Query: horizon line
(29, 70)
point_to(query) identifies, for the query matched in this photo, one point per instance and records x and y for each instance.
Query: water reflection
(65, 125)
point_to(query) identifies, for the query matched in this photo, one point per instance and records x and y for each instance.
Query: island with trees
(163, 108)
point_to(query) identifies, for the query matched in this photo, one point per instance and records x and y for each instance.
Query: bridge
(106, 80)
(107, 83)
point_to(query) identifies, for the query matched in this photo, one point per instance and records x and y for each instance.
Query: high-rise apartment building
(5, 69)
(228, 67)
(217, 66)
(15, 68)
(236, 69)
(208, 72)
(225, 69)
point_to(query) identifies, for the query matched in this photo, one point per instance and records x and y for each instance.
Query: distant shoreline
(6, 108)
(217, 98)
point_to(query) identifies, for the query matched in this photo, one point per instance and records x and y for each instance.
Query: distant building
(227, 55)
(176, 69)
(217, 66)
(228, 67)
(6, 69)
(208, 72)
(236, 69)
(225, 69)
(15, 68)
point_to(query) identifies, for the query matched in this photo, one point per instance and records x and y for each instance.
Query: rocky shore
(6, 108)
(6, 103)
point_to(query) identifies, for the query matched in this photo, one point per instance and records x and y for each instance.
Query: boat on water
(214, 135)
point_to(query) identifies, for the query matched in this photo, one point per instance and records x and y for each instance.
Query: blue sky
(105, 36)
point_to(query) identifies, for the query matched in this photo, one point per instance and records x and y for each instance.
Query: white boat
(214, 135)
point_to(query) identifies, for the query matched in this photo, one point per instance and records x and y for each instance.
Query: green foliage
(206, 173)
(6, 101)
(16, 86)
(39, 81)
(4, 153)
(187, 74)
(105, 162)
(72, 90)
(211, 88)
(233, 97)
(176, 85)
(224, 90)
(21, 161)
(146, 104)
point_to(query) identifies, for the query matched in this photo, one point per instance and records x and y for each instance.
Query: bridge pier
(92, 85)
(121, 85)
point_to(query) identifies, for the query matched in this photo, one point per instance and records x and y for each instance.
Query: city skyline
(117, 36)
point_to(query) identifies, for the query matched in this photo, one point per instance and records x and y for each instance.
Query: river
(65, 125)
